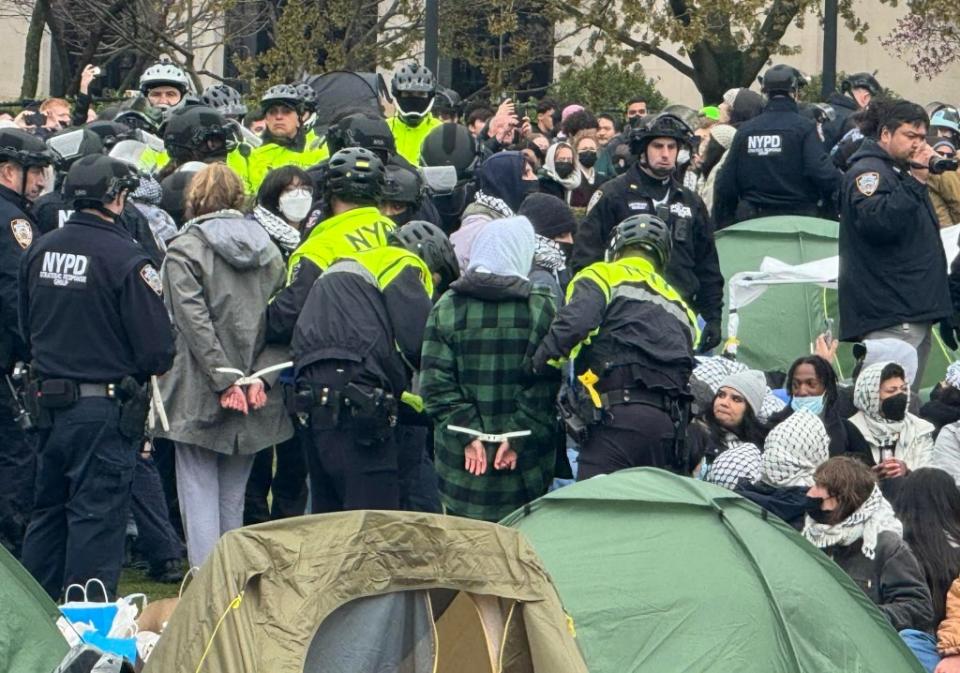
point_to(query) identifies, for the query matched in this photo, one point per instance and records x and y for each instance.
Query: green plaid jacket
(477, 354)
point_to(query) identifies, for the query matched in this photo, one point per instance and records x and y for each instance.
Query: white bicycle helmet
(164, 73)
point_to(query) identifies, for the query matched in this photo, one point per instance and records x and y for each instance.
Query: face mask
(683, 157)
(564, 168)
(620, 167)
(894, 408)
(813, 509)
(295, 204)
(531, 186)
(588, 158)
(813, 404)
(567, 249)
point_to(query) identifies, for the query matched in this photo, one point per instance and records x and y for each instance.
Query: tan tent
(364, 592)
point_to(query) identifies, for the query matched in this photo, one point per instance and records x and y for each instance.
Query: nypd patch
(597, 195)
(22, 232)
(867, 183)
(152, 279)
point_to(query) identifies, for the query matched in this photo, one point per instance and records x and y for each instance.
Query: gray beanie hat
(752, 384)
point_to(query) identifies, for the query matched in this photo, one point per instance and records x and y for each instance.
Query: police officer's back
(649, 187)
(355, 347)
(633, 338)
(777, 164)
(23, 161)
(91, 312)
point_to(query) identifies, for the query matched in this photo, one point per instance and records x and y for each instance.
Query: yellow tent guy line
(234, 604)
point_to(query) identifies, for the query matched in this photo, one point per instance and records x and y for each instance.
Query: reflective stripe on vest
(381, 266)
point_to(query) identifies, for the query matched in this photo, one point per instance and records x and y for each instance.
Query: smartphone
(95, 71)
(828, 331)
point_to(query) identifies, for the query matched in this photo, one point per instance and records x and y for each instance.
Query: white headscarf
(570, 182)
(866, 398)
(794, 450)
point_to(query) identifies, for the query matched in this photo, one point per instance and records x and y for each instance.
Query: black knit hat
(550, 216)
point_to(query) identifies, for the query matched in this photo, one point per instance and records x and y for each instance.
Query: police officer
(50, 210)
(633, 337)
(650, 187)
(23, 162)
(856, 92)
(355, 347)
(777, 164)
(451, 145)
(226, 100)
(92, 315)
(164, 84)
(413, 88)
(352, 190)
(893, 275)
(284, 139)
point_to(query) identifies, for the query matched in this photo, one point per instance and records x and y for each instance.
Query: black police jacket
(17, 232)
(777, 162)
(892, 266)
(52, 211)
(844, 107)
(694, 267)
(380, 332)
(90, 305)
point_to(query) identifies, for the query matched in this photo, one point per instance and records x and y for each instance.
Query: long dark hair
(750, 430)
(824, 373)
(928, 505)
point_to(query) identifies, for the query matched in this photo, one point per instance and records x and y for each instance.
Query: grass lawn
(136, 582)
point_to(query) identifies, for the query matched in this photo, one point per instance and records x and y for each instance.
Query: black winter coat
(892, 267)
(893, 580)
(844, 107)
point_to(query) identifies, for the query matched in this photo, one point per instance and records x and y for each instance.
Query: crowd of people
(215, 316)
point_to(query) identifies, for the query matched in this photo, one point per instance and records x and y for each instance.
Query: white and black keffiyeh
(493, 203)
(741, 460)
(548, 255)
(794, 450)
(874, 516)
(286, 236)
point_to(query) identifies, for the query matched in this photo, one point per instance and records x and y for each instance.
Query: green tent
(666, 574)
(355, 592)
(781, 324)
(29, 639)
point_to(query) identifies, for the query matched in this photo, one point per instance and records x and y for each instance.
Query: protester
(792, 452)
(943, 409)
(730, 424)
(812, 385)
(560, 176)
(219, 273)
(479, 341)
(850, 520)
(944, 188)
(554, 223)
(928, 505)
(586, 148)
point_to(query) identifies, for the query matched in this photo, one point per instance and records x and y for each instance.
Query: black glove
(710, 337)
(949, 331)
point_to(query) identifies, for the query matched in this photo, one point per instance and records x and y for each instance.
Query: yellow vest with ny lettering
(342, 235)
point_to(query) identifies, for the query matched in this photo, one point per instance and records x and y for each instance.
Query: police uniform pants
(419, 484)
(347, 473)
(79, 521)
(636, 435)
(288, 483)
(17, 471)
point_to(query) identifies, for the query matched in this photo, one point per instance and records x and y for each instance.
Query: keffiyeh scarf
(874, 516)
(287, 237)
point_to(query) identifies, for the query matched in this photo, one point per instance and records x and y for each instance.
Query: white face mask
(295, 204)
(683, 157)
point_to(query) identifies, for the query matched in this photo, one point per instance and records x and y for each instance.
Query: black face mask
(813, 509)
(567, 249)
(894, 408)
(531, 186)
(564, 169)
(588, 158)
(621, 166)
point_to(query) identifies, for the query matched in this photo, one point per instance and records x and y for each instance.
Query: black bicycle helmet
(861, 80)
(782, 80)
(308, 95)
(644, 231)
(430, 244)
(663, 125)
(402, 185)
(225, 99)
(451, 145)
(97, 180)
(186, 133)
(359, 130)
(23, 148)
(355, 175)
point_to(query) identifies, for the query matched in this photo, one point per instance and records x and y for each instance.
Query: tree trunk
(31, 52)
